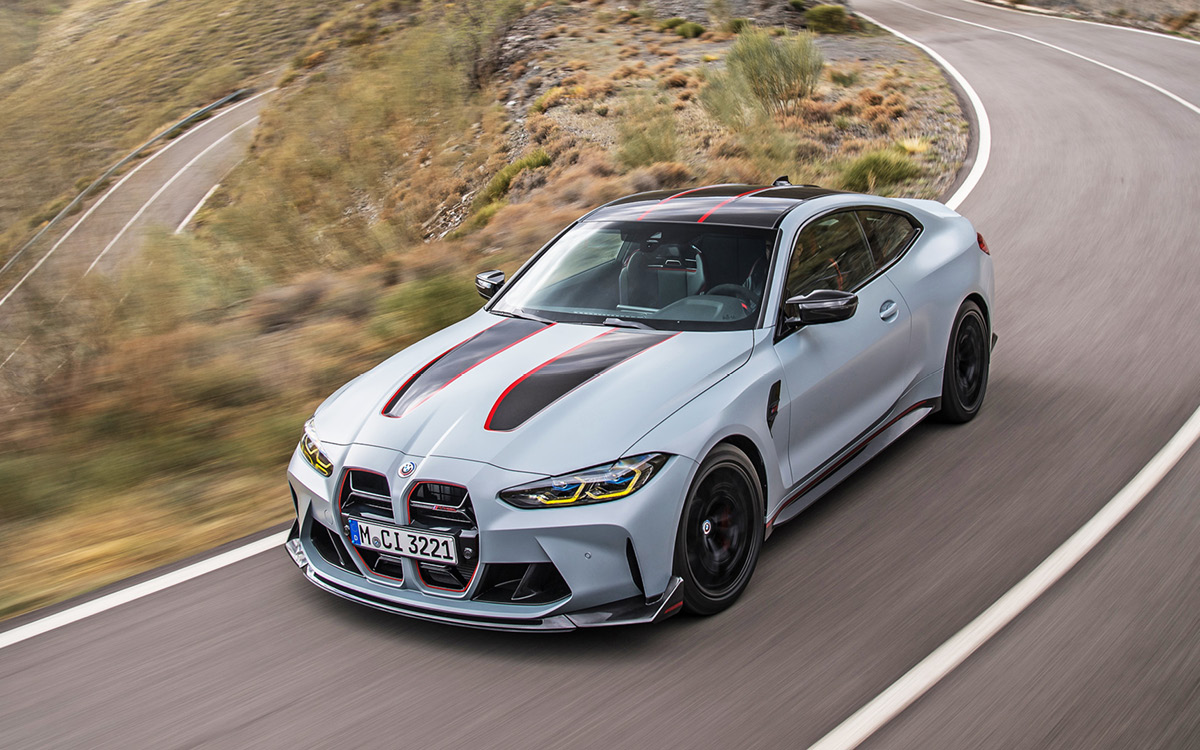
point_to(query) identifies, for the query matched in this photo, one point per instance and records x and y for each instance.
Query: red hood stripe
(459, 360)
(556, 377)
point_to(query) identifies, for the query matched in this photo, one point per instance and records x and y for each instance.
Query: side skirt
(810, 489)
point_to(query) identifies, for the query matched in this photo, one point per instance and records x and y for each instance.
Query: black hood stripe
(555, 378)
(452, 364)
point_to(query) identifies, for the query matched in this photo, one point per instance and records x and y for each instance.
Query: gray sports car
(613, 435)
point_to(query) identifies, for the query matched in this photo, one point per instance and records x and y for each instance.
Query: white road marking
(1174, 97)
(1050, 14)
(930, 670)
(137, 591)
(121, 182)
(192, 214)
(163, 189)
(984, 150)
(869, 719)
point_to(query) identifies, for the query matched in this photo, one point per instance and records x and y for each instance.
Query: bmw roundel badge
(406, 468)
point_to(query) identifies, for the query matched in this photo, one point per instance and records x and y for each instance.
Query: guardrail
(239, 94)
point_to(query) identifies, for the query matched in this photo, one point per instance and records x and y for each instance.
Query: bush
(498, 187)
(775, 74)
(827, 19)
(689, 30)
(418, 308)
(671, 23)
(877, 170)
(649, 136)
(549, 99)
(797, 4)
(844, 77)
(1181, 21)
(738, 25)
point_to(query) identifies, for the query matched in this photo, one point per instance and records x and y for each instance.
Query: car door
(841, 378)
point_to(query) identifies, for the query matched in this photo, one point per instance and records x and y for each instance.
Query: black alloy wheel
(720, 531)
(968, 358)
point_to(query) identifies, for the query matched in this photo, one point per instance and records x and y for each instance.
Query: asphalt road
(159, 191)
(1089, 205)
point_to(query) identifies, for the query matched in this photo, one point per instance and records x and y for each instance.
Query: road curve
(1089, 205)
(158, 191)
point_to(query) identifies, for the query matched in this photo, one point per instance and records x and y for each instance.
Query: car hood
(524, 396)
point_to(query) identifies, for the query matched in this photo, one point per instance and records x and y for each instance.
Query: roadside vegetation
(390, 168)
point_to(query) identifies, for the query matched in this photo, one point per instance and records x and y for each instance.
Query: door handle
(888, 310)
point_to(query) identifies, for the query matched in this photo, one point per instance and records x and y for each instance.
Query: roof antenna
(781, 182)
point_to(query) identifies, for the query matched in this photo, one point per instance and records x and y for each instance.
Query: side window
(888, 233)
(830, 254)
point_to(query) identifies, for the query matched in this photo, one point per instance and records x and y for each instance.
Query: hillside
(84, 81)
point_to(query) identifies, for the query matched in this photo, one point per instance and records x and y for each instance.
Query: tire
(968, 357)
(720, 531)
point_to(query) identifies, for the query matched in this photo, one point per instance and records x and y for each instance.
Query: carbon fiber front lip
(626, 612)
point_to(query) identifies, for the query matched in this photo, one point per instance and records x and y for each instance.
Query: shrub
(418, 308)
(809, 150)
(650, 136)
(676, 80)
(659, 176)
(689, 30)
(844, 77)
(877, 170)
(671, 23)
(797, 4)
(827, 19)
(549, 99)
(497, 188)
(738, 25)
(870, 97)
(776, 74)
(1181, 21)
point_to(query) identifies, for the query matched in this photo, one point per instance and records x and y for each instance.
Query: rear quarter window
(889, 233)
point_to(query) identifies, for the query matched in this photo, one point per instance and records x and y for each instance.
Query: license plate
(420, 545)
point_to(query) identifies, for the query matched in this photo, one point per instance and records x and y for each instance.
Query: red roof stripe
(670, 198)
(731, 200)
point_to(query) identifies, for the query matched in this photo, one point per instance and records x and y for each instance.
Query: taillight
(982, 245)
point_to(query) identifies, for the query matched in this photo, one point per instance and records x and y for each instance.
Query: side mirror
(820, 306)
(488, 283)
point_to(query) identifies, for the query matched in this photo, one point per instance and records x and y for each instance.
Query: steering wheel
(736, 290)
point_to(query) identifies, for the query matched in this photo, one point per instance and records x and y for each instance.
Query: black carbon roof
(743, 205)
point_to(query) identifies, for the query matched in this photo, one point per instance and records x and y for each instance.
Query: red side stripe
(847, 457)
(487, 425)
(670, 198)
(727, 201)
(472, 367)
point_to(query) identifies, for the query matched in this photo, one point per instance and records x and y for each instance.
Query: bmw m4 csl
(613, 435)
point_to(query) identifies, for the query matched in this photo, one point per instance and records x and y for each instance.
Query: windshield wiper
(623, 323)
(522, 316)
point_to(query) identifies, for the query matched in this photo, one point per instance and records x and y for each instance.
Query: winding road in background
(1090, 204)
(163, 190)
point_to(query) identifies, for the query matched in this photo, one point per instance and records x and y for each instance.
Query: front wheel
(968, 358)
(720, 532)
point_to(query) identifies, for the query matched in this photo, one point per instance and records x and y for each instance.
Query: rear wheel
(968, 358)
(720, 532)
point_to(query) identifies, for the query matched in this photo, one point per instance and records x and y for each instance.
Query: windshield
(671, 276)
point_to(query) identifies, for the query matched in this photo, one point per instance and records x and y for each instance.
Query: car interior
(669, 272)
